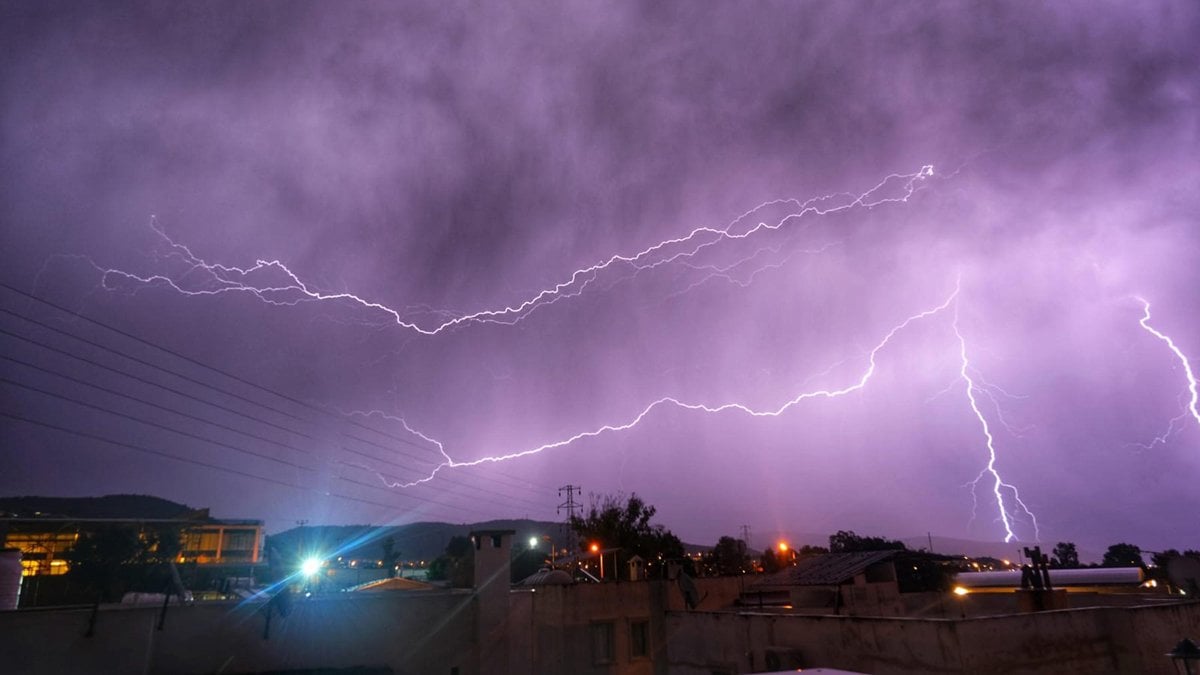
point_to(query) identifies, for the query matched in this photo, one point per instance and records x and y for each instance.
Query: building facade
(45, 542)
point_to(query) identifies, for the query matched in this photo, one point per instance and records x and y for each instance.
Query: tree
(1065, 555)
(728, 557)
(624, 524)
(109, 560)
(526, 561)
(770, 563)
(456, 565)
(846, 541)
(1162, 558)
(1123, 555)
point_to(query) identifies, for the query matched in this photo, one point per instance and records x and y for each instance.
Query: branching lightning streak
(726, 272)
(678, 403)
(292, 290)
(1193, 405)
(998, 484)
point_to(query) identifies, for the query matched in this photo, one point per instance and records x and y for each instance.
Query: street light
(533, 542)
(1185, 656)
(595, 548)
(310, 567)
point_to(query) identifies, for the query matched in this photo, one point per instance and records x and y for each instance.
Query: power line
(187, 434)
(164, 427)
(215, 467)
(146, 381)
(146, 363)
(485, 499)
(201, 364)
(194, 417)
(154, 405)
(144, 449)
(453, 482)
(342, 418)
(339, 417)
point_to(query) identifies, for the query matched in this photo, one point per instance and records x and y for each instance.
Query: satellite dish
(1184, 572)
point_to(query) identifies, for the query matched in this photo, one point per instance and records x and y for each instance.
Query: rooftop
(825, 570)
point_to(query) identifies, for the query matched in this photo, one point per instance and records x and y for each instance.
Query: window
(639, 639)
(41, 552)
(602, 642)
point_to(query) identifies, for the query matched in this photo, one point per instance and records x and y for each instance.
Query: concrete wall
(547, 630)
(417, 633)
(551, 627)
(1098, 640)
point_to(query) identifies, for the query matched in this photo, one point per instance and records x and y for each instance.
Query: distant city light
(310, 567)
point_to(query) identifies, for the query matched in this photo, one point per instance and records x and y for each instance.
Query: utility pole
(569, 505)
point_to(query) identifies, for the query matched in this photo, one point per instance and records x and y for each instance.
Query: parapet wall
(1095, 640)
(417, 633)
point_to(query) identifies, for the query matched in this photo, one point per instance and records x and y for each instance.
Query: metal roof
(824, 570)
(547, 577)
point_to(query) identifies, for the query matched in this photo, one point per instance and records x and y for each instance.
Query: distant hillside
(416, 541)
(995, 549)
(943, 545)
(108, 506)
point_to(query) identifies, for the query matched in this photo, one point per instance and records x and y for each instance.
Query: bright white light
(533, 542)
(310, 567)
(959, 590)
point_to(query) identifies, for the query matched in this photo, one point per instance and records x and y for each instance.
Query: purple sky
(434, 162)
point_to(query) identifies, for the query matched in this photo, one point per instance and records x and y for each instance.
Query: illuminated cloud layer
(831, 266)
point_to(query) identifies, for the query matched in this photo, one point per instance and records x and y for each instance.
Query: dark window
(602, 642)
(639, 639)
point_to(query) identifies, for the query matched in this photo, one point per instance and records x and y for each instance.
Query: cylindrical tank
(10, 578)
(1096, 576)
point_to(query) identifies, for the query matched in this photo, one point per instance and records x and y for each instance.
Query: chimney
(493, 565)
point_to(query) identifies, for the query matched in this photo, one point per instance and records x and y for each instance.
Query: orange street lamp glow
(595, 548)
(783, 547)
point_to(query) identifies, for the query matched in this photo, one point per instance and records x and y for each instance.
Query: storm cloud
(442, 159)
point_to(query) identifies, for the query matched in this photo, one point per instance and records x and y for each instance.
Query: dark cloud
(457, 158)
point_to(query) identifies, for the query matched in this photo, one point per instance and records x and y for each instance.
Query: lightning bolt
(274, 283)
(973, 389)
(989, 471)
(284, 287)
(1193, 404)
(670, 401)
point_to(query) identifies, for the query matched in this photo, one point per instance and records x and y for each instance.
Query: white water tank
(1084, 576)
(10, 578)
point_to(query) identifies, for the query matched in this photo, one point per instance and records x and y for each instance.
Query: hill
(132, 507)
(414, 541)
